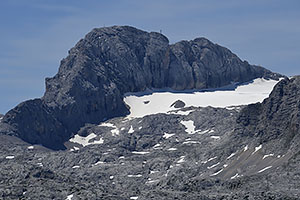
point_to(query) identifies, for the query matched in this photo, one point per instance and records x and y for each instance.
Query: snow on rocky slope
(160, 101)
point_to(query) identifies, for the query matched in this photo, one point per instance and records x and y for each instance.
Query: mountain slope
(109, 62)
(194, 153)
(276, 119)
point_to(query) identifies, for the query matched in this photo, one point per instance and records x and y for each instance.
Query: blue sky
(37, 34)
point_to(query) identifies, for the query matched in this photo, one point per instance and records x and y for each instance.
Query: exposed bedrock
(111, 61)
(276, 120)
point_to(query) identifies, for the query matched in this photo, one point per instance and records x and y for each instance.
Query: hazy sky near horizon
(37, 34)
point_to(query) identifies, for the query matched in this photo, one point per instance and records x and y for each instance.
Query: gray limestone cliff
(276, 120)
(111, 61)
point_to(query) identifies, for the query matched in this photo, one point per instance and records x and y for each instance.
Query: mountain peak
(112, 61)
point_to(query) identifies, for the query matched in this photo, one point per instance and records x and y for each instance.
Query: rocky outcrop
(275, 120)
(109, 62)
(178, 104)
(35, 122)
(150, 158)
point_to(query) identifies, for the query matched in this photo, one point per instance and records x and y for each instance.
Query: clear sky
(37, 34)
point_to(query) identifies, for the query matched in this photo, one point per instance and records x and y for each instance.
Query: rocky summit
(109, 62)
(187, 152)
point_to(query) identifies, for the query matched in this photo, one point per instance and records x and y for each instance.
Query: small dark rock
(48, 174)
(178, 104)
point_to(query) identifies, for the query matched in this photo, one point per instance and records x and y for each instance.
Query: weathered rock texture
(109, 62)
(277, 119)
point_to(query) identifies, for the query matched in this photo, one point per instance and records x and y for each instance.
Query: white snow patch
(233, 108)
(69, 197)
(154, 171)
(203, 132)
(268, 155)
(30, 147)
(40, 164)
(257, 149)
(210, 167)
(135, 176)
(168, 135)
(99, 163)
(189, 125)
(218, 172)
(215, 137)
(123, 128)
(74, 149)
(264, 169)
(140, 152)
(84, 141)
(107, 125)
(190, 142)
(235, 176)
(152, 181)
(156, 146)
(140, 127)
(111, 177)
(225, 165)
(75, 167)
(181, 159)
(180, 112)
(246, 148)
(211, 131)
(121, 157)
(100, 141)
(10, 157)
(278, 156)
(131, 130)
(134, 198)
(210, 159)
(115, 131)
(231, 155)
(160, 100)
(172, 149)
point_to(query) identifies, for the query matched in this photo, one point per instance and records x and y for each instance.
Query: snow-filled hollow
(189, 125)
(69, 197)
(85, 141)
(160, 101)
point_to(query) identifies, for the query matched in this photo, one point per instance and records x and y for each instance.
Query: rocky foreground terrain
(76, 142)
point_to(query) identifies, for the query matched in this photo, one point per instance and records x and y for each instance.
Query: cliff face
(109, 62)
(275, 120)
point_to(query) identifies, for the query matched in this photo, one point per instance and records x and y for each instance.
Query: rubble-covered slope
(190, 153)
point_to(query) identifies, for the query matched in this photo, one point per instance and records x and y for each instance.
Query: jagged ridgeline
(111, 61)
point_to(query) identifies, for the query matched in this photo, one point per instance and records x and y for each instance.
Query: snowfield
(160, 101)
(85, 141)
